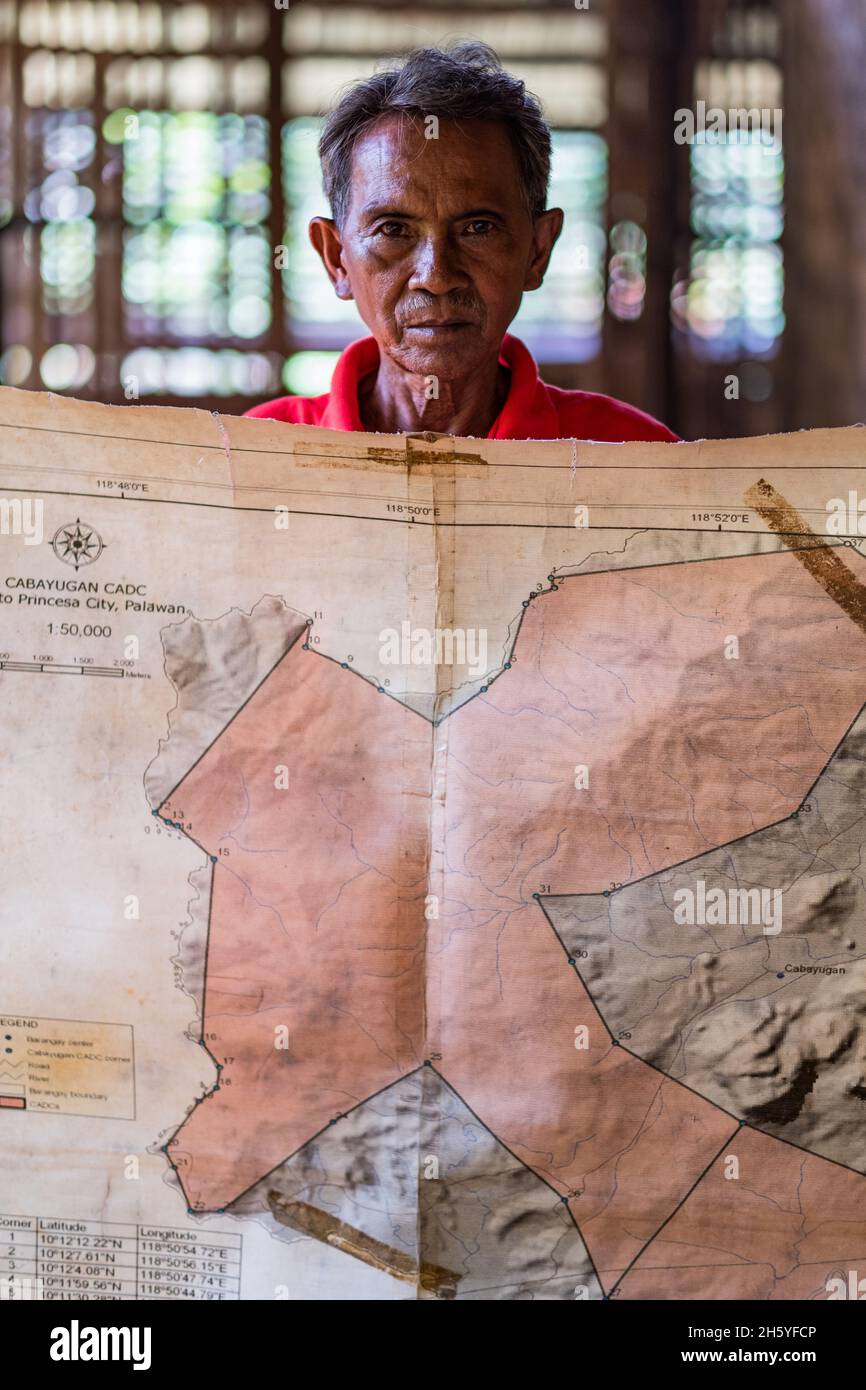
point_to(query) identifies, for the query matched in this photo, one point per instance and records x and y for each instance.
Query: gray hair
(465, 81)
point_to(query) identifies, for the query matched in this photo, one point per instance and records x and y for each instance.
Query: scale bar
(58, 669)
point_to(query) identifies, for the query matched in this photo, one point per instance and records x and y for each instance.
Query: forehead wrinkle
(407, 192)
(385, 145)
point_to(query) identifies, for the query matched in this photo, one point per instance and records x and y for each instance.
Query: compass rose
(77, 544)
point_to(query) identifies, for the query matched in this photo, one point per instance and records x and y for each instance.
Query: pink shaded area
(782, 1228)
(598, 1124)
(317, 917)
(318, 913)
(687, 749)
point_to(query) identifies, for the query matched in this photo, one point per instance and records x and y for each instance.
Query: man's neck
(391, 401)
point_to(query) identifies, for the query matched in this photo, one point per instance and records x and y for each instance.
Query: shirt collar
(526, 414)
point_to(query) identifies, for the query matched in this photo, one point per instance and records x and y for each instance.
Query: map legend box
(67, 1066)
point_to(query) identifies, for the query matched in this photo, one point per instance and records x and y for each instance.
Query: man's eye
(479, 226)
(390, 229)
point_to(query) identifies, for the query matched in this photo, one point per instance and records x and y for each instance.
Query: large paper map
(432, 868)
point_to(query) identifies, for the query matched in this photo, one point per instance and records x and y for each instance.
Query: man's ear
(545, 232)
(326, 239)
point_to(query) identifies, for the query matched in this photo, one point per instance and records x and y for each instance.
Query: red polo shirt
(532, 410)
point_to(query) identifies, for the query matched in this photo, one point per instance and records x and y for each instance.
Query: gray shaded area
(412, 1183)
(192, 944)
(630, 549)
(771, 1027)
(215, 665)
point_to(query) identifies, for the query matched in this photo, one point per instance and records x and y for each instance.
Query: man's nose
(437, 267)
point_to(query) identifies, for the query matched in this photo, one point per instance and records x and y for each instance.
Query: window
(731, 303)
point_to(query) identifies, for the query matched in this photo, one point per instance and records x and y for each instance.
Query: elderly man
(437, 174)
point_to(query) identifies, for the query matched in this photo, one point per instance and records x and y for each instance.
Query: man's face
(436, 247)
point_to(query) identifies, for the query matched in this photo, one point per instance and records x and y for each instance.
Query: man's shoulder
(293, 410)
(592, 415)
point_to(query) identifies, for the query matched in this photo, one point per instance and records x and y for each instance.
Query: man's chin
(446, 352)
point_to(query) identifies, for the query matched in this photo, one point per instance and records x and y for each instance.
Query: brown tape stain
(408, 458)
(822, 561)
(321, 1225)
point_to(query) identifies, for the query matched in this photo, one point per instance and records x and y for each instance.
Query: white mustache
(426, 310)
